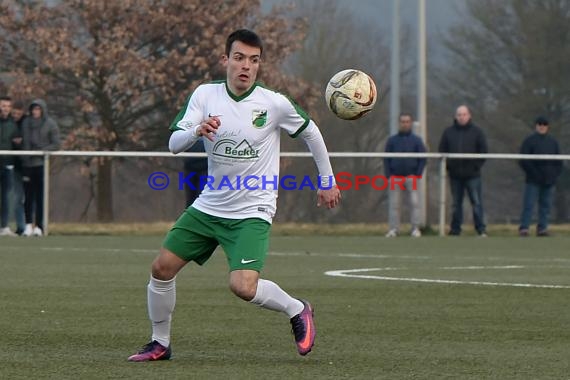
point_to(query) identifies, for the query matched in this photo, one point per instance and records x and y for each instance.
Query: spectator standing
(7, 134)
(541, 177)
(19, 115)
(465, 174)
(405, 141)
(39, 132)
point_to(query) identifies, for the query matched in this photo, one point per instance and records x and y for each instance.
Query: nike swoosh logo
(305, 344)
(247, 261)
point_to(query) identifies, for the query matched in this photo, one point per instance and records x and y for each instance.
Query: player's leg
(5, 189)
(29, 200)
(38, 174)
(544, 205)
(394, 211)
(246, 244)
(414, 197)
(474, 191)
(161, 298)
(529, 199)
(247, 285)
(189, 240)
(457, 191)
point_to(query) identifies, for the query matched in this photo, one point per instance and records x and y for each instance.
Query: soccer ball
(351, 94)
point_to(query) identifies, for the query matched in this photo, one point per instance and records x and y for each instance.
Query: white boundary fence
(443, 157)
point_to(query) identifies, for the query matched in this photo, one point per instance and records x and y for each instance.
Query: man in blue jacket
(404, 142)
(541, 176)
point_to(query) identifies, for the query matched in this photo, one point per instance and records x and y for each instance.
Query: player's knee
(244, 290)
(161, 271)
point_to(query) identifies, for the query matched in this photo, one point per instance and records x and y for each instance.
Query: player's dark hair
(19, 105)
(5, 98)
(246, 36)
(402, 114)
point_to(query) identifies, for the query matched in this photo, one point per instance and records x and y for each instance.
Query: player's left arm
(329, 195)
(297, 123)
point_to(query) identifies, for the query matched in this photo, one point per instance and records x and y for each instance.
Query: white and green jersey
(245, 149)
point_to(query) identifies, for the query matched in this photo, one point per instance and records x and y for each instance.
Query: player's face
(542, 128)
(5, 108)
(37, 112)
(17, 114)
(405, 123)
(241, 67)
(462, 115)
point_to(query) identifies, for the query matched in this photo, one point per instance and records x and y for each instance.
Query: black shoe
(454, 233)
(543, 233)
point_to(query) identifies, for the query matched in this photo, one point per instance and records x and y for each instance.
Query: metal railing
(443, 157)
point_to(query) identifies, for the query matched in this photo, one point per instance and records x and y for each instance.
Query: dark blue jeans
(532, 193)
(473, 188)
(6, 179)
(18, 201)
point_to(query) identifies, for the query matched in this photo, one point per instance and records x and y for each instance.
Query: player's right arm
(190, 124)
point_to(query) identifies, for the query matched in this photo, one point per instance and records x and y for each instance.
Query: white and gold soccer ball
(351, 94)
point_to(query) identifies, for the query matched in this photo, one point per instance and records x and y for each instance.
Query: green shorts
(195, 236)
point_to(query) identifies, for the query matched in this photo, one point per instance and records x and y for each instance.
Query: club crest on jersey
(259, 118)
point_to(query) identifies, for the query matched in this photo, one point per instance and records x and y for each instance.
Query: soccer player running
(240, 122)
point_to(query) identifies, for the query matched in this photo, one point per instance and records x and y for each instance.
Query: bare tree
(509, 61)
(115, 71)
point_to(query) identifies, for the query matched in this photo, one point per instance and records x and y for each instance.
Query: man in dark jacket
(8, 132)
(404, 142)
(465, 174)
(541, 176)
(19, 115)
(39, 132)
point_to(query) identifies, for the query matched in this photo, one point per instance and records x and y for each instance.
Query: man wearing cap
(541, 176)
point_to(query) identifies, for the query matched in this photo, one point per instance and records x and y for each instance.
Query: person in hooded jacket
(39, 132)
(465, 174)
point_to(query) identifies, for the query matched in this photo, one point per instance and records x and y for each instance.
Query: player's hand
(209, 127)
(330, 197)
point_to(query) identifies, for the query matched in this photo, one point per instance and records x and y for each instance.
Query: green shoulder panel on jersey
(173, 126)
(298, 109)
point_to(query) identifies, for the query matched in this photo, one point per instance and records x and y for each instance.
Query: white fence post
(442, 194)
(45, 206)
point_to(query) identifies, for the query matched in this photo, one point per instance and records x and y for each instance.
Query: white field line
(271, 253)
(354, 273)
(314, 254)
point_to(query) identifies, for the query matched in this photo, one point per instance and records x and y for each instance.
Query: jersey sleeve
(191, 113)
(293, 118)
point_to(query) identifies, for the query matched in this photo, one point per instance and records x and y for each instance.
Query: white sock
(161, 300)
(270, 296)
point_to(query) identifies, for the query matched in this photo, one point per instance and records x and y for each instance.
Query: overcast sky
(440, 15)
